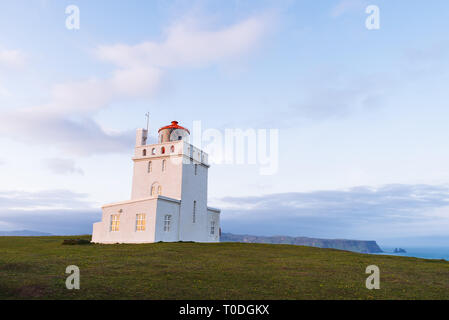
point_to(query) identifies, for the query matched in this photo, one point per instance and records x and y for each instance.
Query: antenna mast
(147, 115)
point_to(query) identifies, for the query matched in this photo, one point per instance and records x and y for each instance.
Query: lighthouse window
(144, 152)
(153, 151)
(196, 169)
(172, 149)
(163, 150)
(194, 212)
(179, 137)
(167, 221)
(140, 222)
(163, 165)
(115, 222)
(150, 167)
(212, 228)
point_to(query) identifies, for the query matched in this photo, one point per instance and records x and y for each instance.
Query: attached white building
(169, 195)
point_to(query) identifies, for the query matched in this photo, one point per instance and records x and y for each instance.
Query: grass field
(34, 268)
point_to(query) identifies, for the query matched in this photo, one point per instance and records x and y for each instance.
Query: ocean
(422, 252)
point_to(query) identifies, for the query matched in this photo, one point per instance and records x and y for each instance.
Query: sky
(360, 115)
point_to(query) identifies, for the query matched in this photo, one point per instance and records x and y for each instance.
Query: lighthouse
(169, 194)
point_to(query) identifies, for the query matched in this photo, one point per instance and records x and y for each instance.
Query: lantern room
(173, 132)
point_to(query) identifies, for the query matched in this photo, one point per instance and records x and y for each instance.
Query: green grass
(34, 268)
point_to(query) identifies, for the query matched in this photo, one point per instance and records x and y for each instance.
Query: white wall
(127, 231)
(213, 215)
(169, 180)
(166, 207)
(194, 188)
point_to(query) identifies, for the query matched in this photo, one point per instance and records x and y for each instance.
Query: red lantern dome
(173, 132)
(173, 125)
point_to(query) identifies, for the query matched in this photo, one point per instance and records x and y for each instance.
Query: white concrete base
(155, 210)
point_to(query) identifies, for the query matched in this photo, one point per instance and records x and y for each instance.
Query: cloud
(321, 103)
(78, 136)
(3, 91)
(345, 6)
(388, 212)
(63, 166)
(330, 94)
(187, 45)
(335, 95)
(49, 199)
(429, 62)
(12, 58)
(53, 211)
(140, 69)
(87, 97)
(65, 121)
(391, 211)
(57, 222)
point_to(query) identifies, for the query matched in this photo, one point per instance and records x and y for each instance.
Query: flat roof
(140, 200)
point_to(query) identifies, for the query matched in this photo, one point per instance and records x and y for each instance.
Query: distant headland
(23, 233)
(360, 246)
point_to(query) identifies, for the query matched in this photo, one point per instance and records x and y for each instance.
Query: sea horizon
(429, 252)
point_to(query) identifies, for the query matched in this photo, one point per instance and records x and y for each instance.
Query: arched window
(163, 165)
(156, 189)
(172, 149)
(150, 167)
(144, 152)
(153, 151)
(163, 150)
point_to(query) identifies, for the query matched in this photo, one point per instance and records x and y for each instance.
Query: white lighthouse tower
(169, 195)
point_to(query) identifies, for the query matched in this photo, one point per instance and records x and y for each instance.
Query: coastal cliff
(341, 244)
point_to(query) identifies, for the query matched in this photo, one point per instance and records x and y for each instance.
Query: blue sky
(356, 109)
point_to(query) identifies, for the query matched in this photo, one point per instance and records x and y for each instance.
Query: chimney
(141, 137)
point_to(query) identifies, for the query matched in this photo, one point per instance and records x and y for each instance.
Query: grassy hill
(34, 268)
